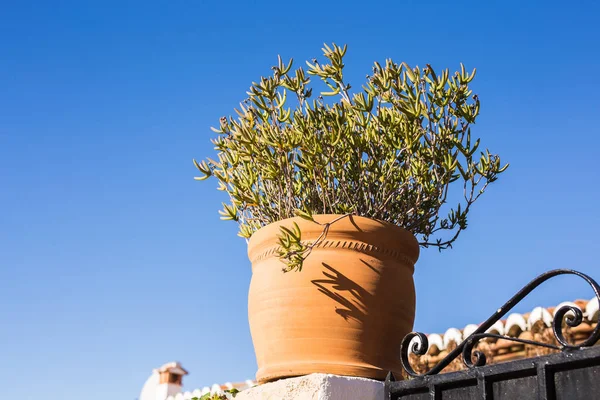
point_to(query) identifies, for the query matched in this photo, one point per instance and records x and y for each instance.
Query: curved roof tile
(591, 310)
(539, 314)
(435, 340)
(515, 324)
(498, 328)
(452, 335)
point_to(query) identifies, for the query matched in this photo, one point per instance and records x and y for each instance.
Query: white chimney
(164, 382)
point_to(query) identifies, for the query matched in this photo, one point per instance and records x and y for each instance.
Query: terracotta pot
(348, 309)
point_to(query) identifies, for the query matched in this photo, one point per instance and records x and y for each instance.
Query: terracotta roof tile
(535, 325)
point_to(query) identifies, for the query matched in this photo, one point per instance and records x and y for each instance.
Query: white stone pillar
(316, 387)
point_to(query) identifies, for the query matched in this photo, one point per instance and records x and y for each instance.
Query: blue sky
(113, 260)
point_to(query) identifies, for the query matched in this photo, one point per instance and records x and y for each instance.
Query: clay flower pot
(348, 309)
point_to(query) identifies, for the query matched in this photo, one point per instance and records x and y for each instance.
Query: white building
(166, 383)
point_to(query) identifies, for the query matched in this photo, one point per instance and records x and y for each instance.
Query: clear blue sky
(114, 261)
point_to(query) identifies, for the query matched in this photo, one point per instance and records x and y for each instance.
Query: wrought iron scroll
(473, 358)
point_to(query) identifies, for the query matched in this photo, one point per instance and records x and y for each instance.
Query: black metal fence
(569, 375)
(572, 374)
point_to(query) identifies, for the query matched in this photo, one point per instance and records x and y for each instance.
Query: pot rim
(393, 235)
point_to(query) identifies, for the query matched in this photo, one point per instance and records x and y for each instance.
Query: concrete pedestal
(316, 387)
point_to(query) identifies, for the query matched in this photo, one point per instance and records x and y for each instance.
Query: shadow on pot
(353, 299)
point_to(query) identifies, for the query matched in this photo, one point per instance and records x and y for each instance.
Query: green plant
(211, 396)
(218, 396)
(390, 151)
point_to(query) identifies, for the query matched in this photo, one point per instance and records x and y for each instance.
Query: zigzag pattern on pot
(344, 244)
